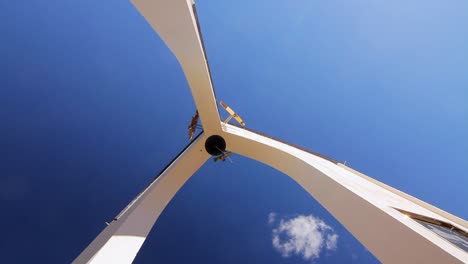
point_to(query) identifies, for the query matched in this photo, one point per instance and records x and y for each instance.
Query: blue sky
(93, 104)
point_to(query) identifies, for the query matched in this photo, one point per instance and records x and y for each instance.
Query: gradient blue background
(93, 104)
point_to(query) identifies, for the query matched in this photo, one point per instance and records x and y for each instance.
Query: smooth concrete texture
(176, 24)
(454, 219)
(364, 206)
(122, 239)
(366, 209)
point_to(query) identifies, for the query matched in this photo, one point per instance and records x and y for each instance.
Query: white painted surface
(363, 207)
(175, 23)
(122, 239)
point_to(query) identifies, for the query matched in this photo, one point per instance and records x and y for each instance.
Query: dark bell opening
(215, 145)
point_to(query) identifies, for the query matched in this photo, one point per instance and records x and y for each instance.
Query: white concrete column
(176, 23)
(367, 209)
(122, 239)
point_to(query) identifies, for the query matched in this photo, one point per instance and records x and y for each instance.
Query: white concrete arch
(177, 25)
(121, 240)
(364, 207)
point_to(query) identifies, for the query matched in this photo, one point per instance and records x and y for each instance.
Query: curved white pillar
(365, 207)
(177, 25)
(122, 239)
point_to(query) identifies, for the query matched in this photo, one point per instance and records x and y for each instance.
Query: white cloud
(271, 218)
(332, 239)
(305, 236)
